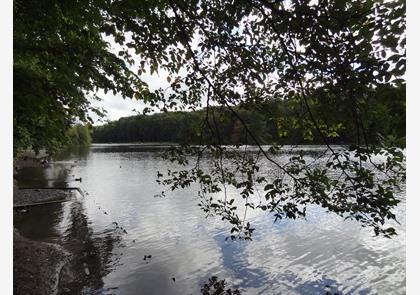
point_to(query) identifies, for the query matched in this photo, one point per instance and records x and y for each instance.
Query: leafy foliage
(61, 58)
(79, 135)
(218, 287)
(331, 58)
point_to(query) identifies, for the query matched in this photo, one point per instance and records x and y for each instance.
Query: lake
(131, 242)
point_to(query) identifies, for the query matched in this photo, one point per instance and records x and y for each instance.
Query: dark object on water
(329, 292)
(105, 213)
(78, 179)
(146, 256)
(173, 279)
(124, 231)
(120, 166)
(134, 241)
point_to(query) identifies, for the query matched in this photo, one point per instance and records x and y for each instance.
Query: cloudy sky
(115, 106)
(118, 107)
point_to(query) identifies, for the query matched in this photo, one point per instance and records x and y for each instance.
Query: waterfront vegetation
(78, 135)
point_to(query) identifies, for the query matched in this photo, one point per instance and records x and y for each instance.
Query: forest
(274, 122)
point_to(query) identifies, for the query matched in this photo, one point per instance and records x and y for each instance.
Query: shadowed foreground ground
(36, 265)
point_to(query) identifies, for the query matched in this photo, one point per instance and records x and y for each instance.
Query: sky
(117, 107)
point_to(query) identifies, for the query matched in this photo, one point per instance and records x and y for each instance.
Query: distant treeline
(280, 121)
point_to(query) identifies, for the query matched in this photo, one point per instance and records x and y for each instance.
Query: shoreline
(37, 265)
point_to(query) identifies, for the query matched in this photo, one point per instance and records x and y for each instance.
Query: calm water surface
(287, 257)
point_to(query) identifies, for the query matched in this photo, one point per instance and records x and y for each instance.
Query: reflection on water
(68, 225)
(184, 249)
(31, 177)
(74, 153)
(40, 222)
(92, 252)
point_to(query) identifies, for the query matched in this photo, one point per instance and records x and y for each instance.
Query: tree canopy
(60, 60)
(327, 58)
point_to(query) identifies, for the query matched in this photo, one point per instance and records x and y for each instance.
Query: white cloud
(115, 106)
